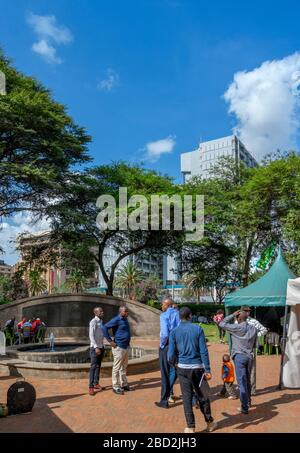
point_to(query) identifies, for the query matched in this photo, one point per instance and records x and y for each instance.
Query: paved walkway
(65, 406)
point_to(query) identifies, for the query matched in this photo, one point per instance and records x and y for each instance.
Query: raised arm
(226, 324)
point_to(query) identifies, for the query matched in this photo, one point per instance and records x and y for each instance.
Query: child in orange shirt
(228, 377)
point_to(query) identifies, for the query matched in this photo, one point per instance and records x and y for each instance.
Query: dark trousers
(243, 365)
(95, 366)
(228, 389)
(189, 380)
(167, 381)
(221, 333)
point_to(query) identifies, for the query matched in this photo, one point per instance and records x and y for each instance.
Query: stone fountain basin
(70, 361)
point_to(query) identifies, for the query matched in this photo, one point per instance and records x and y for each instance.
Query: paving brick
(65, 406)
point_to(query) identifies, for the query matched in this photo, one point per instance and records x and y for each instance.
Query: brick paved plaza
(65, 406)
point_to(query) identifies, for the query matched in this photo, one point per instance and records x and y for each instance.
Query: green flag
(266, 257)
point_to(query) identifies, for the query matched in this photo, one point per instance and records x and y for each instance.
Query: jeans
(166, 383)
(253, 375)
(189, 380)
(95, 366)
(172, 378)
(243, 364)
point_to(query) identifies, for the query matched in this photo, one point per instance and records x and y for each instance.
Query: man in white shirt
(96, 350)
(261, 331)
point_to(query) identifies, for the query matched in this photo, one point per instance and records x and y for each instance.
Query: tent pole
(283, 344)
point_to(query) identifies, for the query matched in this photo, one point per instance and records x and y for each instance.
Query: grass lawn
(211, 333)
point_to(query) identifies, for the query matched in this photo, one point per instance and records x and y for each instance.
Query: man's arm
(164, 331)
(226, 324)
(262, 330)
(92, 334)
(172, 350)
(204, 351)
(109, 325)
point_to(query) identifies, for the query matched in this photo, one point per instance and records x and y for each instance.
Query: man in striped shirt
(261, 331)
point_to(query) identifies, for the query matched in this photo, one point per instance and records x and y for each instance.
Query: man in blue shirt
(120, 348)
(188, 350)
(169, 319)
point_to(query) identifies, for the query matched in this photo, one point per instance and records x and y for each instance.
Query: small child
(228, 379)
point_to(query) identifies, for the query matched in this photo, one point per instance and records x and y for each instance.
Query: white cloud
(48, 33)
(20, 223)
(111, 81)
(266, 104)
(47, 51)
(154, 150)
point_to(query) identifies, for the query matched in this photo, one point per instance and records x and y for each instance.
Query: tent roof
(269, 290)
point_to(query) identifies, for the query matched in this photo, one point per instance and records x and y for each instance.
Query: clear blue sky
(169, 62)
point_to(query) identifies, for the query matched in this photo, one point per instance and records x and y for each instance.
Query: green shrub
(154, 304)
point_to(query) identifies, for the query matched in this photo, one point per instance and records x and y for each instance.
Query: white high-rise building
(200, 161)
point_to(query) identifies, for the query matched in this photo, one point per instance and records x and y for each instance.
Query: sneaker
(188, 430)
(98, 387)
(171, 399)
(91, 391)
(231, 397)
(118, 390)
(126, 388)
(211, 426)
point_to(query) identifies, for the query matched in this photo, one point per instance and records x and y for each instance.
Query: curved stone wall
(68, 315)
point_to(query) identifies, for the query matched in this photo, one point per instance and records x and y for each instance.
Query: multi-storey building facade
(5, 269)
(200, 161)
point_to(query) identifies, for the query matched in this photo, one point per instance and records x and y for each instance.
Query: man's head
(241, 316)
(185, 314)
(246, 309)
(226, 358)
(98, 311)
(166, 303)
(123, 311)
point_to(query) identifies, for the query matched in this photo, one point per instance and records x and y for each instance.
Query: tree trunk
(109, 289)
(246, 268)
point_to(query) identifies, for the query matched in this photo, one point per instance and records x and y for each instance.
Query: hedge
(207, 310)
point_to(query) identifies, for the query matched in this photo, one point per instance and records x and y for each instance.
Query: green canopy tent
(268, 291)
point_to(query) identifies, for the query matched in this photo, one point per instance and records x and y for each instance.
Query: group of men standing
(119, 341)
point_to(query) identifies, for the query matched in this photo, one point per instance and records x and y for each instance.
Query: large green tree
(74, 217)
(39, 144)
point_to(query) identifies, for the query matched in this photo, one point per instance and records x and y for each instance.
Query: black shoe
(163, 405)
(118, 391)
(126, 388)
(243, 411)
